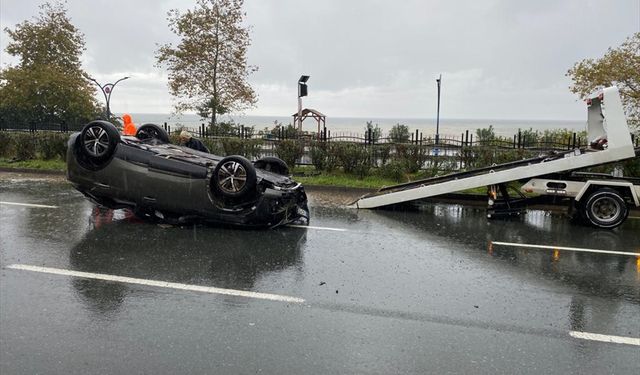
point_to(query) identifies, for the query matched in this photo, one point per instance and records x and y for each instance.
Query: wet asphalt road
(395, 292)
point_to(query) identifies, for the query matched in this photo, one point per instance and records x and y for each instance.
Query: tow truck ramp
(605, 122)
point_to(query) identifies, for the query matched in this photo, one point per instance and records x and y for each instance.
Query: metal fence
(517, 141)
(444, 146)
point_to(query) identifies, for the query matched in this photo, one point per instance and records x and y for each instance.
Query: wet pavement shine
(357, 292)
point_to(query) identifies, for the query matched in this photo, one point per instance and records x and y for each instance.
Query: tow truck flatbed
(609, 125)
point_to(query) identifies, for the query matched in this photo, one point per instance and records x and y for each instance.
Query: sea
(356, 126)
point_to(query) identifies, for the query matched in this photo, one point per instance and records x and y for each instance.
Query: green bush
(631, 168)
(325, 156)
(399, 133)
(6, 144)
(249, 148)
(485, 135)
(529, 138)
(395, 170)
(381, 154)
(414, 156)
(214, 145)
(556, 137)
(52, 145)
(25, 146)
(506, 156)
(223, 129)
(233, 146)
(319, 155)
(253, 148)
(289, 151)
(354, 158)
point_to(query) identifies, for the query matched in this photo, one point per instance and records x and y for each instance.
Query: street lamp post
(439, 81)
(107, 89)
(302, 91)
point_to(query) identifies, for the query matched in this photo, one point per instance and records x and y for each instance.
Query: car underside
(175, 184)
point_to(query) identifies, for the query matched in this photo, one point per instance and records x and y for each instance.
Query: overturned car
(176, 184)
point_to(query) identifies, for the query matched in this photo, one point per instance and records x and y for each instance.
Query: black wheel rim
(96, 141)
(606, 209)
(232, 177)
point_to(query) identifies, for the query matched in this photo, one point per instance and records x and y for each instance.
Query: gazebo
(308, 112)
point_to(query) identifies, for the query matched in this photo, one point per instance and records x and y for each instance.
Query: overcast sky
(499, 59)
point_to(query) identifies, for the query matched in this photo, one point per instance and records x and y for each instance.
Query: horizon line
(169, 114)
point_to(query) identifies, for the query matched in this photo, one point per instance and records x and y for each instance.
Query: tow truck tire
(605, 208)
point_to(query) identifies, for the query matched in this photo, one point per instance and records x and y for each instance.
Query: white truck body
(606, 121)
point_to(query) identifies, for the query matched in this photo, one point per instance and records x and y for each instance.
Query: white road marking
(605, 338)
(633, 217)
(156, 283)
(27, 204)
(531, 246)
(318, 228)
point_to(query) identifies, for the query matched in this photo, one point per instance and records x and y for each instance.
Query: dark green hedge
(25, 146)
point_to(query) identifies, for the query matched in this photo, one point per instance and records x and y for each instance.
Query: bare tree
(208, 69)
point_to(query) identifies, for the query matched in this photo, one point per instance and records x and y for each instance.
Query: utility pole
(439, 81)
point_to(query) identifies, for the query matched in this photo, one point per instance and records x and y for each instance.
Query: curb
(33, 170)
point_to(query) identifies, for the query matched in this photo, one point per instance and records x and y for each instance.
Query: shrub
(325, 156)
(252, 148)
(376, 132)
(52, 145)
(319, 155)
(289, 151)
(560, 137)
(222, 129)
(395, 170)
(280, 130)
(414, 156)
(478, 157)
(399, 133)
(467, 157)
(214, 145)
(6, 144)
(381, 154)
(631, 167)
(233, 146)
(25, 146)
(485, 135)
(529, 138)
(355, 159)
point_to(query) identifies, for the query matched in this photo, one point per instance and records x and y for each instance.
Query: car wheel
(606, 208)
(233, 177)
(152, 131)
(98, 142)
(273, 164)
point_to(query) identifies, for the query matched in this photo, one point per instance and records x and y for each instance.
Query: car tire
(96, 144)
(152, 131)
(605, 208)
(233, 177)
(273, 164)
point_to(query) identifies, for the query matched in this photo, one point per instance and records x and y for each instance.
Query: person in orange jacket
(129, 127)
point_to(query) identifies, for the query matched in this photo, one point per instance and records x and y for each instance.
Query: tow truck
(600, 200)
